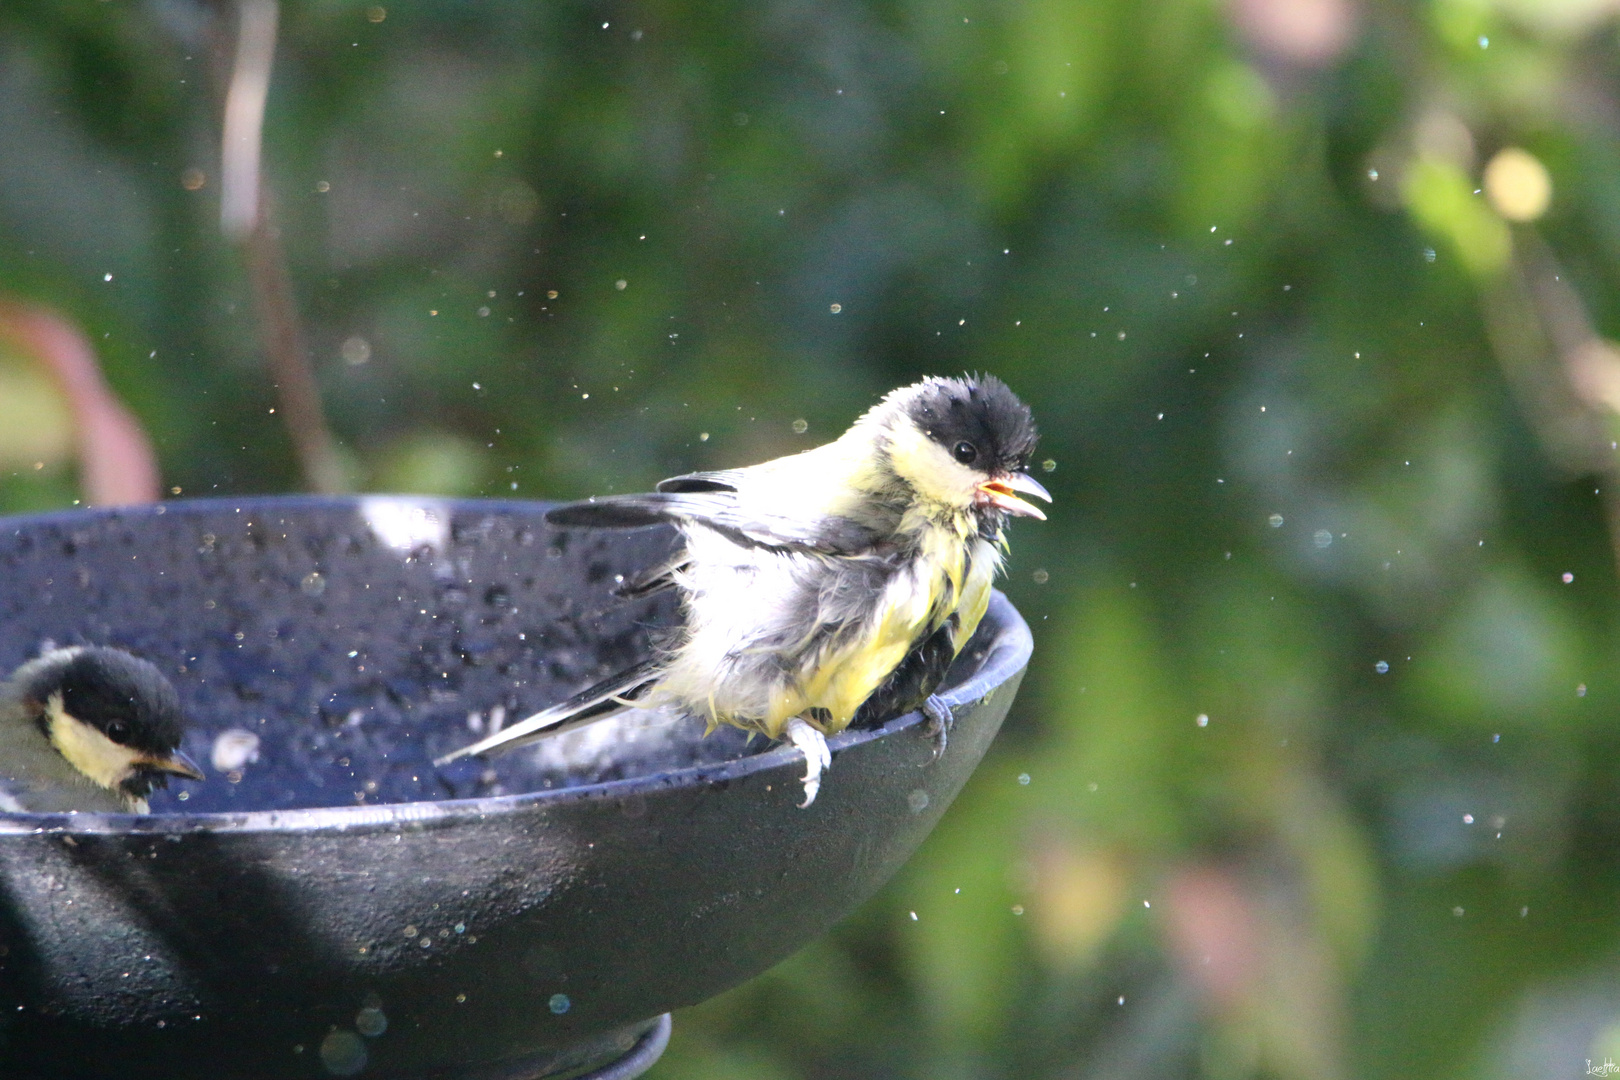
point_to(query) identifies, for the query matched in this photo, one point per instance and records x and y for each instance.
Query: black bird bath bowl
(339, 906)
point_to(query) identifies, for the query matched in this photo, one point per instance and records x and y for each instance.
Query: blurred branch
(244, 118)
(1565, 374)
(117, 465)
(245, 216)
(1527, 348)
(283, 338)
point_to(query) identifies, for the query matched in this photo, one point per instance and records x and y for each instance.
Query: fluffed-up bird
(88, 728)
(825, 588)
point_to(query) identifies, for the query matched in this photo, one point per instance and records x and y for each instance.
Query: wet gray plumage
(828, 587)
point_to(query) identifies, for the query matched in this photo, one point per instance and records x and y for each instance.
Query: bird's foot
(940, 720)
(817, 758)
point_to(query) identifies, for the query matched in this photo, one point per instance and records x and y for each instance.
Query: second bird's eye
(966, 452)
(117, 731)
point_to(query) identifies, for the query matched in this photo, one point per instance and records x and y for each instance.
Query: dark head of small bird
(982, 427)
(978, 419)
(121, 697)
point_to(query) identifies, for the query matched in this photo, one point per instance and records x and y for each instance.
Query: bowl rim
(1008, 653)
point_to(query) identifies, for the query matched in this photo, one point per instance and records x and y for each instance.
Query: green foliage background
(1312, 404)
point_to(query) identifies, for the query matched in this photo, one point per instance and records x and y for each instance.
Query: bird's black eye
(117, 731)
(966, 452)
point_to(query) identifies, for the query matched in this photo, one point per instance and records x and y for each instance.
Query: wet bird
(824, 588)
(88, 728)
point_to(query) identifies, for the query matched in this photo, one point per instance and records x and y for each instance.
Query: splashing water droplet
(371, 1022)
(343, 1053)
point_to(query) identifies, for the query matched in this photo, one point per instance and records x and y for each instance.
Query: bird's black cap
(122, 696)
(981, 411)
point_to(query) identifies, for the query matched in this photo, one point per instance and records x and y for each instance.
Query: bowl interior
(327, 650)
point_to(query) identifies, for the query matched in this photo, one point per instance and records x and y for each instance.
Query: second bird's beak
(1003, 491)
(177, 764)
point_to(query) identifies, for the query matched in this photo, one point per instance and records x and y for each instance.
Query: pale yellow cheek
(101, 760)
(929, 468)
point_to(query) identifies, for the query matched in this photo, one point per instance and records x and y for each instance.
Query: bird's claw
(817, 758)
(939, 724)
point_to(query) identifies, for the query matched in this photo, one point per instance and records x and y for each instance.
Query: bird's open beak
(177, 764)
(1003, 491)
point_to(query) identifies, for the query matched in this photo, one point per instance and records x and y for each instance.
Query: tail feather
(590, 704)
